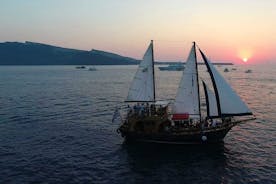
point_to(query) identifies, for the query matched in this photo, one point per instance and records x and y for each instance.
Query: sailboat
(182, 121)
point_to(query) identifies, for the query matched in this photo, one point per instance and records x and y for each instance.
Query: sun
(245, 55)
(245, 60)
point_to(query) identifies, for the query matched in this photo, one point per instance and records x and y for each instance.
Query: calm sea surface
(55, 127)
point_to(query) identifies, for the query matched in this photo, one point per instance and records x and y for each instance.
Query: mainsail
(228, 102)
(142, 88)
(187, 98)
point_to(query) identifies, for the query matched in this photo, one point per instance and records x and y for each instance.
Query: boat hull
(214, 136)
(170, 69)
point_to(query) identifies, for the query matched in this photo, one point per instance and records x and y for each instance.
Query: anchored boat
(182, 121)
(172, 67)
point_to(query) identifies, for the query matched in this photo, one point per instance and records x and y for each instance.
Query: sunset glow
(228, 30)
(245, 53)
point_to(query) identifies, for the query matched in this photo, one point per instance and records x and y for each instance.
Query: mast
(194, 45)
(153, 78)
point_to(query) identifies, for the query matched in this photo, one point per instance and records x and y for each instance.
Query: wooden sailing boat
(182, 122)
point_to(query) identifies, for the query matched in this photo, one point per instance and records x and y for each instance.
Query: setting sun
(245, 54)
(245, 60)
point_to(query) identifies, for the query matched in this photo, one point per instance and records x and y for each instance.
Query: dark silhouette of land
(30, 53)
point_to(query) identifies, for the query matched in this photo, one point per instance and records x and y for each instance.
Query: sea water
(55, 127)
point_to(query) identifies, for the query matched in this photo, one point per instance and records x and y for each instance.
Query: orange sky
(225, 30)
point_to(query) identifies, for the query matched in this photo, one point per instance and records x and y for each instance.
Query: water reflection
(169, 163)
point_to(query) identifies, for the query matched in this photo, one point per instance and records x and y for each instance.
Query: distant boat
(80, 67)
(92, 69)
(226, 70)
(248, 71)
(180, 122)
(234, 68)
(173, 67)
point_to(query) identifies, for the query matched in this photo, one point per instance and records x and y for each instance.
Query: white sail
(187, 98)
(229, 103)
(211, 102)
(142, 87)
